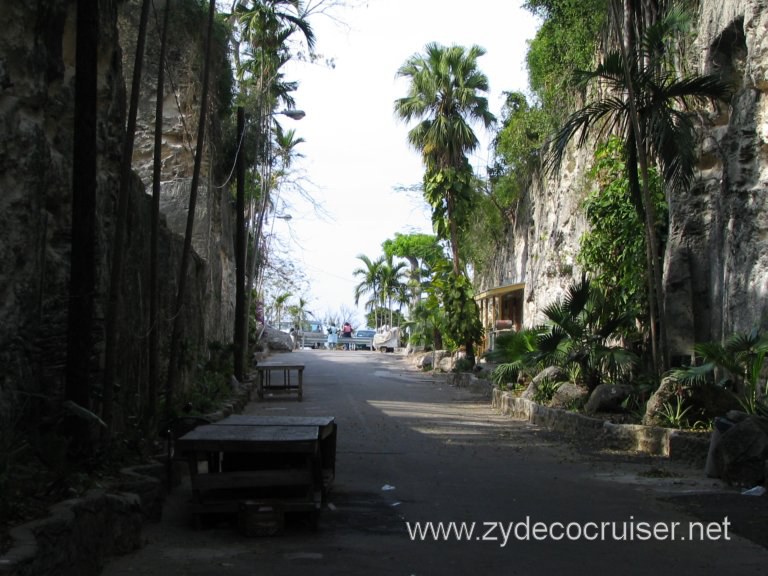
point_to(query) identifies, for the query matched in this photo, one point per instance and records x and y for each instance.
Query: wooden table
(264, 381)
(254, 463)
(327, 434)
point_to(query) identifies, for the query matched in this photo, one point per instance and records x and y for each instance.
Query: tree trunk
(172, 382)
(655, 296)
(121, 217)
(82, 279)
(154, 283)
(241, 313)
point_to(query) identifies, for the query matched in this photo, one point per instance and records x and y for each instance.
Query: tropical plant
(514, 354)
(641, 98)
(422, 251)
(390, 283)
(612, 250)
(370, 283)
(279, 305)
(740, 361)
(565, 42)
(445, 94)
(673, 412)
(581, 331)
(545, 391)
(461, 319)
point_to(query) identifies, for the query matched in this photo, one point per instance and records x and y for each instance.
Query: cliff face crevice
(37, 58)
(716, 258)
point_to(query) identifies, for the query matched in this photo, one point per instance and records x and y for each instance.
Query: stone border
(690, 447)
(80, 534)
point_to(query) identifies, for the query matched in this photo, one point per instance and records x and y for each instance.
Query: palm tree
(279, 304)
(370, 283)
(445, 94)
(265, 27)
(645, 102)
(390, 283)
(581, 331)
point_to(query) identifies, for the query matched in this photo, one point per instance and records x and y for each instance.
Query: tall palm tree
(445, 95)
(265, 25)
(370, 283)
(391, 283)
(645, 102)
(279, 305)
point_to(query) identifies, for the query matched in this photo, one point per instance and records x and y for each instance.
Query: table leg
(301, 384)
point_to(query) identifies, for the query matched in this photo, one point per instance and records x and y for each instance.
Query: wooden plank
(255, 420)
(222, 438)
(253, 479)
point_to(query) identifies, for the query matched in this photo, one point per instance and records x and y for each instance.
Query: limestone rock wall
(36, 130)
(716, 261)
(716, 266)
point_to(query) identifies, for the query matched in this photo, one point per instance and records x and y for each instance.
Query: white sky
(356, 150)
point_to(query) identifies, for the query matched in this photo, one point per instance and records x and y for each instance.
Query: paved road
(413, 449)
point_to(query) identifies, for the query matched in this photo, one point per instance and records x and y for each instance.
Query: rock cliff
(716, 260)
(36, 130)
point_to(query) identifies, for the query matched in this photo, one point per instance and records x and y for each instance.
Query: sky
(356, 152)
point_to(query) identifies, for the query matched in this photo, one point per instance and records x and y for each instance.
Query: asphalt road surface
(412, 449)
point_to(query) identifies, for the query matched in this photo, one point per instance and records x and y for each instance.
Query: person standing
(333, 337)
(346, 332)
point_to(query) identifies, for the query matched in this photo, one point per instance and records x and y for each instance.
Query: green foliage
(517, 148)
(483, 235)
(545, 391)
(461, 316)
(673, 412)
(384, 314)
(581, 331)
(741, 361)
(426, 317)
(612, 251)
(565, 42)
(450, 193)
(463, 365)
(211, 385)
(423, 247)
(514, 353)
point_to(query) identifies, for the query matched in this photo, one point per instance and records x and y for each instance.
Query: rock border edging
(82, 533)
(690, 447)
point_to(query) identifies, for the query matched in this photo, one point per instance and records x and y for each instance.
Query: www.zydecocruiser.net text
(528, 530)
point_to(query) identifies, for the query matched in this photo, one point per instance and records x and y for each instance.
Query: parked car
(365, 334)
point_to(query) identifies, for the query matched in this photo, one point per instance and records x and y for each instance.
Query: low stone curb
(82, 533)
(690, 447)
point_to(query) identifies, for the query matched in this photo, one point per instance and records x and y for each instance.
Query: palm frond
(694, 375)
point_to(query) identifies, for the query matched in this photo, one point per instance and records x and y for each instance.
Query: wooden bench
(254, 464)
(286, 384)
(327, 434)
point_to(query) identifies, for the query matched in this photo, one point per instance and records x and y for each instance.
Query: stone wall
(37, 54)
(716, 261)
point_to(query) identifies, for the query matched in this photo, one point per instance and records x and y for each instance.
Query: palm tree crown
(445, 92)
